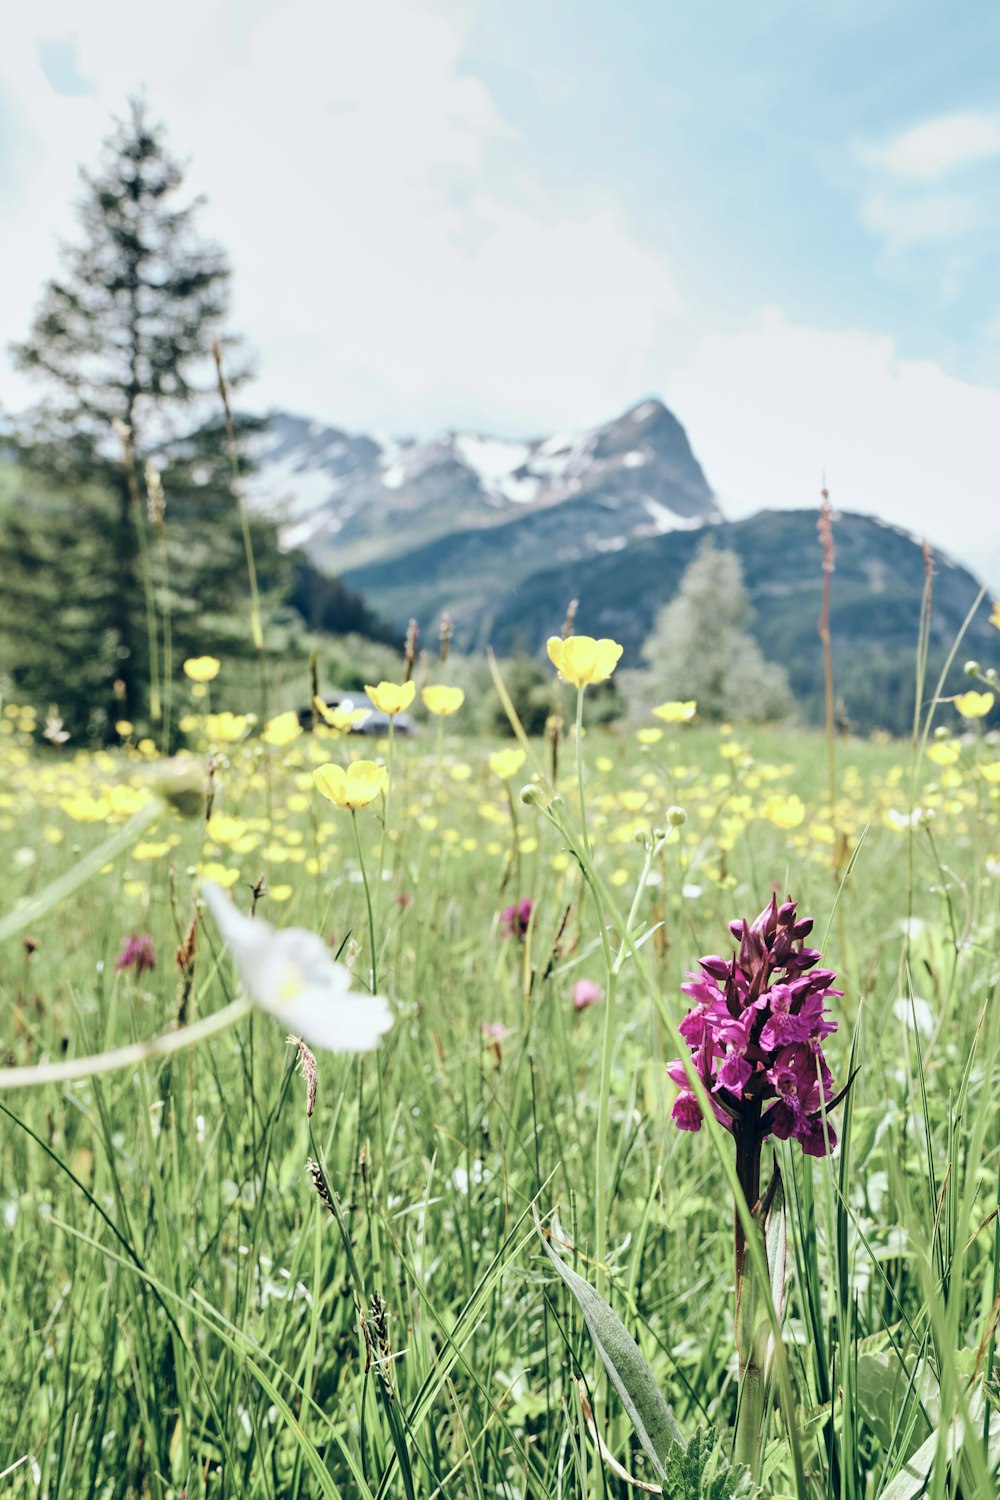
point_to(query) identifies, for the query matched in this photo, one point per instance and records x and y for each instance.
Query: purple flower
(137, 952)
(756, 1032)
(586, 993)
(515, 919)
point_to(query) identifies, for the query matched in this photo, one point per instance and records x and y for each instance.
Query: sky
(781, 216)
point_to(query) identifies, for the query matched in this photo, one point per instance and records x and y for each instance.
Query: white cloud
(392, 263)
(773, 407)
(936, 147)
(402, 262)
(904, 221)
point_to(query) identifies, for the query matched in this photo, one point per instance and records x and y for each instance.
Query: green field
(182, 1310)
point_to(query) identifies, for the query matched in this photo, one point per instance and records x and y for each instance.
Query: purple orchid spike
(756, 1033)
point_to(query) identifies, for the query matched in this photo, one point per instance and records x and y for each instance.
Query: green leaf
(631, 1376)
(703, 1471)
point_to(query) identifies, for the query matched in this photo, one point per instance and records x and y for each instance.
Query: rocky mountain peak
(350, 499)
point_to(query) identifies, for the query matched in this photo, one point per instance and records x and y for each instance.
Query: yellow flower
(676, 713)
(220, 874)
(392, 697)
(124, 728)
(581, 660)
(785, 812)
(282, 730)
(360, 784)
(506, 763)
(226, 728)
(442, 700)
(202, 668)
(973, 705)
(995, 616)
(343, 717)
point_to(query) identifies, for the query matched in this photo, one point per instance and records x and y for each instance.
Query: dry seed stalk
(307, 1070)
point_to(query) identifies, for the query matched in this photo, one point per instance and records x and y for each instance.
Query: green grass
(181, 1311)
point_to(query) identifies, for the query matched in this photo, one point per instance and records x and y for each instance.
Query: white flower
(290, 973)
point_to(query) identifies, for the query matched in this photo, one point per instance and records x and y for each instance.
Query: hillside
(500, 597)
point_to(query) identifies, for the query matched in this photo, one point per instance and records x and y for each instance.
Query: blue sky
(749, 142)
(517, 216)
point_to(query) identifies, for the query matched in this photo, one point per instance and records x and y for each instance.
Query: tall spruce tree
(700, 647)
(122, 346)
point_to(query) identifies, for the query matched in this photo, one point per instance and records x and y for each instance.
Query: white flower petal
(291, 974)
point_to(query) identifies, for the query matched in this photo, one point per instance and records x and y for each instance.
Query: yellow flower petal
(676, 713)
(583, 661)
(392, 697)
(282, 730)
(973, 705)
(361, 783)
(442, 700)
(202, 668)
(507, 763)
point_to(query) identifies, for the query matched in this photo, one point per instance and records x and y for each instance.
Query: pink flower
(137, 952)
(516, 919)
(586, 993)
(756, 1033)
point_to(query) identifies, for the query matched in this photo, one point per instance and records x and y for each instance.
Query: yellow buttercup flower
(676, 713)
(995, 615)
(360, 784)
(202, 668)
(506, 763)
(973, 705)
(343, 717)
(442, 700)
(282, 730)
(226, 728)
(392, 697)
(583, 661)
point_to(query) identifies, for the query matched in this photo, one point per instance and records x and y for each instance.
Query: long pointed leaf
(631, 1376)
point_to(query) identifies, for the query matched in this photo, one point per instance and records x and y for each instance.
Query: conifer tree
(700, 647)
(121, 344)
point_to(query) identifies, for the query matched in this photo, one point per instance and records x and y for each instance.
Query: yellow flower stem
(515, 833)
(604, 1087)
(385, 807)
(579, 767)
(368, 901)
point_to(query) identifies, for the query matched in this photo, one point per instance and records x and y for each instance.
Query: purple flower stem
(748, 1148)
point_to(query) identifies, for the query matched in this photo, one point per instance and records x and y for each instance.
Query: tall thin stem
(368, 901)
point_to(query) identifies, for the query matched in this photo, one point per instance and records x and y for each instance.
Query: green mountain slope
(501, 591)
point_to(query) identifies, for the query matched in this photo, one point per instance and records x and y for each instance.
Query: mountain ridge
(341, 496)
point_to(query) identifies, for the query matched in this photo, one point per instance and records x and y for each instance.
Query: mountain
(502, 535)
(351, 500)
(515, 595)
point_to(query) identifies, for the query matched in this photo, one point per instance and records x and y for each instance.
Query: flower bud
(531, 794)
(676, 816)
(971, 669)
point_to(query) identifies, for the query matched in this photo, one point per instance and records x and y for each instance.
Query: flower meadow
(421, 1116)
